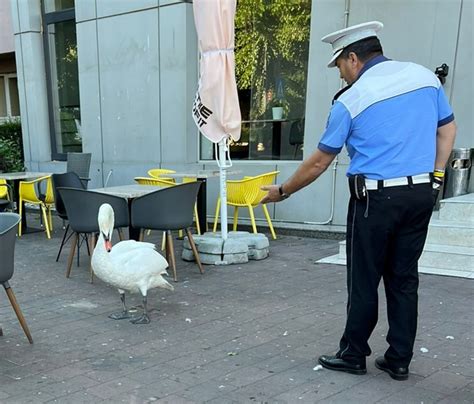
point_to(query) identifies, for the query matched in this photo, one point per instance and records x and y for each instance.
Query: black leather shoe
(397, 373)
(335, 363)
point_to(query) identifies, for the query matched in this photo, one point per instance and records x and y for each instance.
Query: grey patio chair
(82, 209)
(68, 180)
(8, 228)
(166, 210)
(79, 163)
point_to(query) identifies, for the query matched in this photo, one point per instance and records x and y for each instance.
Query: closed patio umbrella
(216, 109)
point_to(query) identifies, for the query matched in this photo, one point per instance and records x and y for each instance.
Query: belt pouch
(357, 187)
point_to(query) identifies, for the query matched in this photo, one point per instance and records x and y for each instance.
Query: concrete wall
(136, 84)
(138, 75)
(7, 43)
(29, 54)
(462, 88)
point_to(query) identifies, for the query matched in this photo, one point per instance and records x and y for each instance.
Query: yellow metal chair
(161, 174)
(3, 189)
(29, 192)
(247, 193)
(159, 182)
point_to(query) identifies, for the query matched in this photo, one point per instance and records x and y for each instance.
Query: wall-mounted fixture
(442, 72)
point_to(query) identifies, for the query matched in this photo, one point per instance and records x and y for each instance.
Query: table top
(201, 174)
(128, 191)
(26, 175)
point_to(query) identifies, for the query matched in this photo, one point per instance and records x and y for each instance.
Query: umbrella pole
(223, 186)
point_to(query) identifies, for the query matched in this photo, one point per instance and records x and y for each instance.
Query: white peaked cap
(344, 37)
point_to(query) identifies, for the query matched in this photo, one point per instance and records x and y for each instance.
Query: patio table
(202, 175)
(129, 192)
(15, 178)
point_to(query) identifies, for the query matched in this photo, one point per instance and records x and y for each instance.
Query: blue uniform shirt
(388, 120)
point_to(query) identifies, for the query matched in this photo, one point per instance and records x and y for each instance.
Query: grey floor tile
(444, 382)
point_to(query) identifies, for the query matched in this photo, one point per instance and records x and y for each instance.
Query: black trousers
(385, 238)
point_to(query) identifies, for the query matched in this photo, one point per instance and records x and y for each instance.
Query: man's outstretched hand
(273, 194)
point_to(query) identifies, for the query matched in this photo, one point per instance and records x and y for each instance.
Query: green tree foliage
(272, 41)
(11, 146)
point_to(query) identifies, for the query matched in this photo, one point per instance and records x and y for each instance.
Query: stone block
(188, 255)
(258, 254)
(240, 258)
(239, 248)
(233, 246)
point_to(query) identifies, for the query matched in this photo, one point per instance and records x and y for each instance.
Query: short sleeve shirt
(388, 120)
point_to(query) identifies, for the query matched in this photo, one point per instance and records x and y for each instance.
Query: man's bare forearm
(444, 144)
(308, 171)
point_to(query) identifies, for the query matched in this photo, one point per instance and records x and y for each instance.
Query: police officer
(398, 128)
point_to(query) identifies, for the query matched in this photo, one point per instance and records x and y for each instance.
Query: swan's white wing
(135, 266)
(139, 269)
(138, 259)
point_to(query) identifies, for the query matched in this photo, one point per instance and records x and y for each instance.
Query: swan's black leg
(124, 313)
(143, 319)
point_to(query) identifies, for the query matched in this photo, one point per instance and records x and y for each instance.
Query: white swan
(129, 265)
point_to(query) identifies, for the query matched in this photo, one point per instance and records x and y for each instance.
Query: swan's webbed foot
(121, 315)
(143, 319)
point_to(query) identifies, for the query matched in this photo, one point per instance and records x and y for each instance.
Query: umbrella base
(239, 248)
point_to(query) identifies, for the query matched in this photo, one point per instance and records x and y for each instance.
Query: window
(9, 102)
(57, 5)
(271, 53)
(63, 78)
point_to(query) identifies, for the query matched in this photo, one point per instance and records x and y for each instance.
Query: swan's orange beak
(108, 245)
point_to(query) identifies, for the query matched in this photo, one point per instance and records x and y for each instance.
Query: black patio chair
(8, 229)
(166, 210)
(82, 209)
(79, 163)
(67, 180)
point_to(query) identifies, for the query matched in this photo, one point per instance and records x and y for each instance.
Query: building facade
(117, 78)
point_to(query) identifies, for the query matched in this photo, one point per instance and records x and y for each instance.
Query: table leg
(133, 233)
(202, 205)
(16, 200)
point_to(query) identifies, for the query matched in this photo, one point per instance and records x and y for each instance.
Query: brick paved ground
(246, 333)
